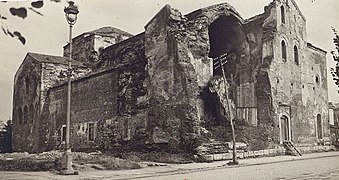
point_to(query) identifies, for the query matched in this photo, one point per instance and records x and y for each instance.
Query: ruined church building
(161, 87)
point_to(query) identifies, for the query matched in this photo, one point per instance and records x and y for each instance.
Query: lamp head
(71, 13)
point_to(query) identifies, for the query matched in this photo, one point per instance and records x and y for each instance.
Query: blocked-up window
(25, 114)
(91, 131)
(31, 111)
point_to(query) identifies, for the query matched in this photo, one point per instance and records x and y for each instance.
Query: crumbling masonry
(161, 89)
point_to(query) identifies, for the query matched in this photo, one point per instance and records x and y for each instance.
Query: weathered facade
(161, 87)
(334, 122)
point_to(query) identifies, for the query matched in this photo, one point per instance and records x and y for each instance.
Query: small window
(63, 133)
(20, 115)
(282, 9)
(296, 54)
(126, 130)
(317, 79)
(283, 51)
(25, 114)
(91, 132)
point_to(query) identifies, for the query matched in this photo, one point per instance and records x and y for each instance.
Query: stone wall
(87, 46)
(315, 95)
(93, 100)
(111, 100)
(26, 96)
(37, 74)
(287, 79)
(173, 86)
(157, 87)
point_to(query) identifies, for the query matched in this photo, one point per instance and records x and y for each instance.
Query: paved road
(309, 166)
(321, 168)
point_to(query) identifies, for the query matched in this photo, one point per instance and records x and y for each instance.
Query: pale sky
(49, 33)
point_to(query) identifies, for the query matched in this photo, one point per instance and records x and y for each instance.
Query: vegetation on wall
(6, 138)
(335, 54)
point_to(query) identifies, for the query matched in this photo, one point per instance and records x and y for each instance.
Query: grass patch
(50, 161)
(27, 164)
(109, 162)
(161, 157)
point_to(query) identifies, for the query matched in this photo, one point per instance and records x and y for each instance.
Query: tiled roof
(107, 31)
(52, 59)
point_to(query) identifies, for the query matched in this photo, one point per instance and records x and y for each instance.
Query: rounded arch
(223, 9)
(226, 35)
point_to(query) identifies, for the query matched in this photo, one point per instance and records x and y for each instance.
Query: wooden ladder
(291, 148)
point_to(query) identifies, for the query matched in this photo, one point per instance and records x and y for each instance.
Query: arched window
(25, 114)
(20, 115)
(282, 10)
(283, 51)
(296, 55)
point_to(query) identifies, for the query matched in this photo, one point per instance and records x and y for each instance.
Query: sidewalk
(162, 170)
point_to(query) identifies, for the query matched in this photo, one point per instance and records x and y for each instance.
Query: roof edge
(309, 45)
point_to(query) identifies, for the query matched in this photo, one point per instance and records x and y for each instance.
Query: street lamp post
(71, 13)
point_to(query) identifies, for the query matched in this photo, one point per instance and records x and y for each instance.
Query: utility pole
(219, 62)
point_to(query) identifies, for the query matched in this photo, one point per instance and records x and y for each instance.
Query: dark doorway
(285, 129)
(319, 127)
(214, 113)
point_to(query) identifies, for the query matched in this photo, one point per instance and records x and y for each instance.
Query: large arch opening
(226, 35)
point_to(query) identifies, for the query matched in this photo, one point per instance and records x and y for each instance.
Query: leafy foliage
(21, 12)
(335, 54)
(6, 138)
